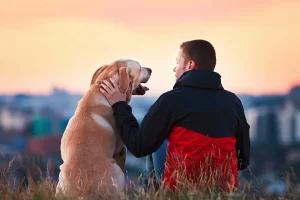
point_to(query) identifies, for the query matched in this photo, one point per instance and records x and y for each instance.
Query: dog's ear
(124, 79)
(97, 73)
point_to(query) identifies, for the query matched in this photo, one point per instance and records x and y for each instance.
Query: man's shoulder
(166, 97)
(231, 94)
(233, 97)
(168, 94)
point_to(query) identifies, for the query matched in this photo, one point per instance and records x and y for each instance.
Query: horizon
(146, 95)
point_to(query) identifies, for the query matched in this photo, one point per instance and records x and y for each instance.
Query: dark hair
(201, 52)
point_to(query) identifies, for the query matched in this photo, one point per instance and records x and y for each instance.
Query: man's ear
(97, 73)
(191, 65)
(124, 79)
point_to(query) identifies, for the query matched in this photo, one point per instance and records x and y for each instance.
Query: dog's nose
(149, 70)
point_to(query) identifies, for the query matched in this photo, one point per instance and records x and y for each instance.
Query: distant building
(252, 116)
(285, 116)
(263, 123)
(12, 119)
(297, 125)
(289, 117)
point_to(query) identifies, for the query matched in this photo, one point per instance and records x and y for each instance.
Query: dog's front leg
(121, 158)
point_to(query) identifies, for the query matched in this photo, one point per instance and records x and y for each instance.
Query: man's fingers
(108, 84)
(114, 83)
(106, 88)
(104, 92)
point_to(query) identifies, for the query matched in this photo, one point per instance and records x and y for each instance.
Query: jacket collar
(199, 78)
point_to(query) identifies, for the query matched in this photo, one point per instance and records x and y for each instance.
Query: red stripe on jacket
(197, 158)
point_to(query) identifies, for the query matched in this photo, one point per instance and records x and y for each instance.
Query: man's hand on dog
(110, 90)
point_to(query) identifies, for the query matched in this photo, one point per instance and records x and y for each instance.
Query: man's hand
(140, 90)
(110, 90)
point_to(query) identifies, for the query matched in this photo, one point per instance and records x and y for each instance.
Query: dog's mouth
(142, 85)
(145, 80)
(140, 90)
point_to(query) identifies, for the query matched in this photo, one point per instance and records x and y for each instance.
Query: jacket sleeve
(243, 142)
(154, 129)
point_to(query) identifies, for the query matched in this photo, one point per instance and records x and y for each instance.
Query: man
(205, 125)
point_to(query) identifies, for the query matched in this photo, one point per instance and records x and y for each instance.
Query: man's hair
(201, 52)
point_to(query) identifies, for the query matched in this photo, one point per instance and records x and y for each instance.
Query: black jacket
(198, 103)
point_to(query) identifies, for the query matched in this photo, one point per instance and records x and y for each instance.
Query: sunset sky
(62, 42)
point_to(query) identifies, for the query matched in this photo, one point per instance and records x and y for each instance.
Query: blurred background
(50, 49)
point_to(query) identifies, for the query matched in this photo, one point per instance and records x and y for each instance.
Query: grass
(43, 188)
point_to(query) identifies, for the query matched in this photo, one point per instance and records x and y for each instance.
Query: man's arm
(154, 129)
(243, 142)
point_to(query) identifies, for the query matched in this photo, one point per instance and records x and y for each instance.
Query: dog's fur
(92, 150)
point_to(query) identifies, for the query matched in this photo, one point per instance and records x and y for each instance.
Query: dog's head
(127, 73)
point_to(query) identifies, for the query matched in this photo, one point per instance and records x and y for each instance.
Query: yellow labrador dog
(92, 150)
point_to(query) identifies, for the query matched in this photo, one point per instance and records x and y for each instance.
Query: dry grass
(45, 189)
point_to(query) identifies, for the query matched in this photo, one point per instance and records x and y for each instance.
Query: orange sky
(62, 42)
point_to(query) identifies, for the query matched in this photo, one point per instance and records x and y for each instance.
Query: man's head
(195, 54)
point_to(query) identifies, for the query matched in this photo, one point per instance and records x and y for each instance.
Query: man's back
(207, 126)
(201, 121)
